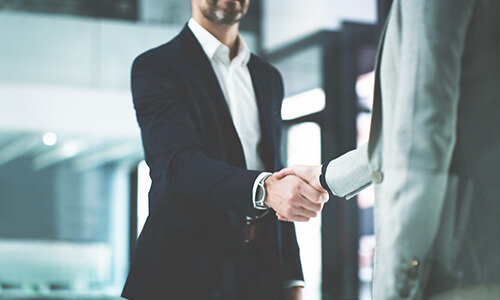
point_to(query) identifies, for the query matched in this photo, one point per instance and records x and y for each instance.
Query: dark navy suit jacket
(201, 190)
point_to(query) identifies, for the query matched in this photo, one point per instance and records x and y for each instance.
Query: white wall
(70, 74)
(286, 21)
(162, 11)
(65, 50)
(67, 110)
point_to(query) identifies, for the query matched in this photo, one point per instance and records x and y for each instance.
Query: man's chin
(228, 18)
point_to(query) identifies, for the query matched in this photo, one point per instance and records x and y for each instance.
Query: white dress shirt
(236, 84)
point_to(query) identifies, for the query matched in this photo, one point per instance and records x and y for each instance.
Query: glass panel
(143, 186)
(116, 9)
(303, 104)
(63, 214)
(302, 71)
(304, 147)
(364, 91)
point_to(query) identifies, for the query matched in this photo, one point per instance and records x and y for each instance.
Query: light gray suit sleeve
(349, 174)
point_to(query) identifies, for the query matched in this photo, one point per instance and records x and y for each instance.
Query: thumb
(284, 172)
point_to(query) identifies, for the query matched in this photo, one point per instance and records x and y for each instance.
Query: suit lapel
(203, 65)
(264, 115)
(206, 73)
(376, 123)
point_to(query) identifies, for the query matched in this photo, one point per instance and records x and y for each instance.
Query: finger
(308, 174)
(317, 196)
(311, 194)
(299, 215)
(284, 172)
(306, 204)
(300, 171)
(324, 197)
(281, 217)
(317, 185)
(304, 212)
(299, 218)
(295, 218)
(320, 210)
(311, 214)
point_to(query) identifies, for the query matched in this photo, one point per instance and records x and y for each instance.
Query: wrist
(268, 182)
(322, 177)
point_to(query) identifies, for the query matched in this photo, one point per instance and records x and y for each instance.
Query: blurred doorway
(328, 81)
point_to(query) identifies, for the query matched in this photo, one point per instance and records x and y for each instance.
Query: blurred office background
(73, 186)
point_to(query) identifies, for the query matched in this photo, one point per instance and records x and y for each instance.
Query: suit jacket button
(414, 263)
(413, 270)
(377, 176)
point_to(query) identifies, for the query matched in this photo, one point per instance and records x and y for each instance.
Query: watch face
(259, 195)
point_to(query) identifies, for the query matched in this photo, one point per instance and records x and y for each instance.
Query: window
(143, 186)
(113, 9)
(304, 147)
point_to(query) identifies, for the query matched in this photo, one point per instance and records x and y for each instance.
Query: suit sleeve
(347, 175)
(431, 36)
(171, 139)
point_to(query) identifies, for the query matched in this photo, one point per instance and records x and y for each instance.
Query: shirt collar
(213, 47)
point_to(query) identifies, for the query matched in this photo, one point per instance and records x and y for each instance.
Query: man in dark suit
(209, 113)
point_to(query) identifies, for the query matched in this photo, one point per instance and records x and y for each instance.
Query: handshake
(295, 193)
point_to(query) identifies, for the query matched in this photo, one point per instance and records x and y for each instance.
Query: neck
(226, 34)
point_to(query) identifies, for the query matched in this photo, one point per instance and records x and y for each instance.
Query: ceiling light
(49, 138)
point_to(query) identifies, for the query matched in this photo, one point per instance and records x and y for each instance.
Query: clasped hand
(295, 193)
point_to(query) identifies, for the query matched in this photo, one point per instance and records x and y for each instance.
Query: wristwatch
(260, 194)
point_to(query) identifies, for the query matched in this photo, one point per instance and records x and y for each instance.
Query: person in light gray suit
(433, 154)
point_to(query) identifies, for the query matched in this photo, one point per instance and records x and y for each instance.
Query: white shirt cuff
(293, 283)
